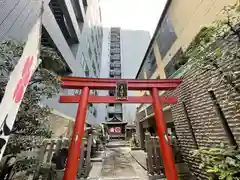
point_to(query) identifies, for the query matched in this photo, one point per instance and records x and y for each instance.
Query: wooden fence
(51, 147)
(155, 163)
(154, 159)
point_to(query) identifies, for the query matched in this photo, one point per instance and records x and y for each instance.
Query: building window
(90, 105)
(77, 91)
(94, 68)
(117, 69)
(174, 64)
(117, 73)
(111, 67)
(111, 73)
(117, 65)
(86, 70)
(111, 92)
(82, 59)
(64, 21)
(87, 42)
(95, 112)
(166, 37)
(151, 64)
(78, 13)
(92, 35)
(111, 104)
(100, 14)
(85, 5)
(91, 92)
(96, 54)
(141, 74)
(89, 52)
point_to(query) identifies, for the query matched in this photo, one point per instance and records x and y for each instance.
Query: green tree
(30, 127)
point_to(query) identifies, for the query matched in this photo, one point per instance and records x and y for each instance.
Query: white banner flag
(18, 82)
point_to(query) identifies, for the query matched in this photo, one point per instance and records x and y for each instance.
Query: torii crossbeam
(87, 84)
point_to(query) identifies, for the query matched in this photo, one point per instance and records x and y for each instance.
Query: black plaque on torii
(121, 91)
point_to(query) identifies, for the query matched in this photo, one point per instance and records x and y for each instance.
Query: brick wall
(205, 123)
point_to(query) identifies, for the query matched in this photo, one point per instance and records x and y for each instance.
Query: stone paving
(118, 164)
(140, 157)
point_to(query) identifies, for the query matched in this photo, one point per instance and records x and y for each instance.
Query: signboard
(115, 130)
(121, 91)
(111, 130)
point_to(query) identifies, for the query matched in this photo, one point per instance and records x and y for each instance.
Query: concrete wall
(18, 16)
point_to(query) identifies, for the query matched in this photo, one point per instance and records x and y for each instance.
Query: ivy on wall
(208, 52)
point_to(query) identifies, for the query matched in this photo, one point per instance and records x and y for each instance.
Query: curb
(138, 162)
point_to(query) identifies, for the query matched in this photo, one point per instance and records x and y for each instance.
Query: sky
(132, 14)
(128, 15)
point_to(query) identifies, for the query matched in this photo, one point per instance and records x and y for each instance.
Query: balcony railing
(115, 45)
(113, 40)
(115, 73)
(115, 57)
(115, 50)
(114, 66)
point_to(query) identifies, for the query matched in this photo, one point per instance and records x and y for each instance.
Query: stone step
(117, 145)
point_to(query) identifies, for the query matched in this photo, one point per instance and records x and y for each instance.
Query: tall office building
(72, 28)
(115, 110)
(123, 51)
(114, 120)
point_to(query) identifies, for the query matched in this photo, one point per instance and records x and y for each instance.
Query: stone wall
(60, 125)
(203, 118)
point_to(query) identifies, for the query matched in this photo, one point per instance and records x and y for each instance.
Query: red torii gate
(86, 84)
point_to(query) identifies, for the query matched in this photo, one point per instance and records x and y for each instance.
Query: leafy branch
(221, 162)
(30, 127)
